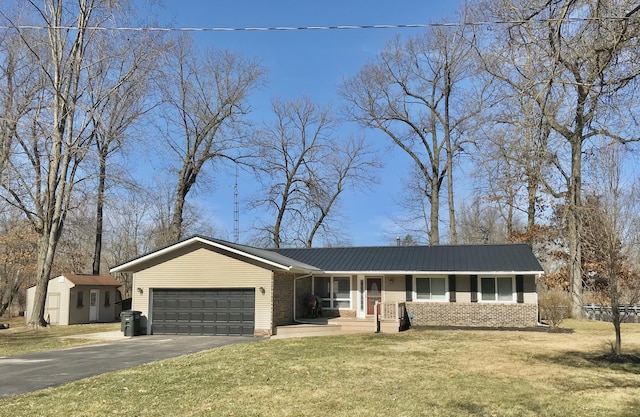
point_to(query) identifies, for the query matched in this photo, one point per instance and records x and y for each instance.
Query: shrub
(555, 306)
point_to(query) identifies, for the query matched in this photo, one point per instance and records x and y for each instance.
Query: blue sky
(312, 63)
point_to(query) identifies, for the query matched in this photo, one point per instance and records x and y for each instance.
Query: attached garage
(200, 311)
(204, 286)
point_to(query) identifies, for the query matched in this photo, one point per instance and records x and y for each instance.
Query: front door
(93, 305)
(374, 293)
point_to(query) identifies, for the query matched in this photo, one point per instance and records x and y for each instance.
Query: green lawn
(415, 373)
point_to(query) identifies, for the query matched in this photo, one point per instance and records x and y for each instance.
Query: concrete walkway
(35, 371)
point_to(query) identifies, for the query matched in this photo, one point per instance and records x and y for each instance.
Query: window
(107, 298)
(497, 289)
(334, 291)
(80, 302)
(431, 289)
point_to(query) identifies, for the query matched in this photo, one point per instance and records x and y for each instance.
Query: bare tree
(206, 101)
(609, 217)
(415, 92)
(304, 167)
(481, 222)
(114, 114)
(511, 158)
(586, 58)
(53, 138)
(18, 249)
(350, 164)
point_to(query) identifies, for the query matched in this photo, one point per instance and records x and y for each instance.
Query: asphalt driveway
(35, 371)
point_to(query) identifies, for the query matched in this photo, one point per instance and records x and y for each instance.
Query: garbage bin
(130, 322)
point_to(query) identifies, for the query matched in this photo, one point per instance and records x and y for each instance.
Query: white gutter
(387, 272)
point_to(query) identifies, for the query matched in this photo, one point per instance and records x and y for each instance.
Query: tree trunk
(47, 244)
(453, 232)
(97, 252)
(434, 200)
(175, 228)
(574, 232)
(532, 195)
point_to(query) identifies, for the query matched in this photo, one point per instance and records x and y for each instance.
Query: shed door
(53, 308)
(94, 296)
(203, 311)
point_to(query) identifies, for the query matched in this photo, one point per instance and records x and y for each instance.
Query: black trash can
(130, 322)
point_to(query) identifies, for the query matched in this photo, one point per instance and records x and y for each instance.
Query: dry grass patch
(416, 373)
(19, 339)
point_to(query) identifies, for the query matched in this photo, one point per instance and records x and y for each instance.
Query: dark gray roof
(266, 254)
(462, 258)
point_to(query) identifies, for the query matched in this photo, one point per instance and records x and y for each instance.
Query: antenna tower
(236, 210)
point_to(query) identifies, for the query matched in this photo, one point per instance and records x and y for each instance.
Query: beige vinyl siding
(394, 291)
(205, 268)
(54, 289)
(62, 289)
(79, 314)
(530, 294)
(107, 313)
(463, 289)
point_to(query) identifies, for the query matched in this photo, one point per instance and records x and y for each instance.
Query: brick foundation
(262, 333)
(473, 314)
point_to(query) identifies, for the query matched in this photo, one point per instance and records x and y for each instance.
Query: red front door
(374, 293)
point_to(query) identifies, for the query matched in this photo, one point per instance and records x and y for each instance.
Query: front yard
(415, 373)
(19, 339)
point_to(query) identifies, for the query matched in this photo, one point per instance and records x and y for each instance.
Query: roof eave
(414, 272)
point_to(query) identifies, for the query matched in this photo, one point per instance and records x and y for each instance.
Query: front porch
(392, 318)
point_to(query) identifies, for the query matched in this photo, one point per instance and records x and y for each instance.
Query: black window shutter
(452, 288)
(409, 287)
(520, 288)
(473, 281)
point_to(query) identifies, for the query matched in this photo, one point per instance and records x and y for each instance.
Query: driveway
(35, 371)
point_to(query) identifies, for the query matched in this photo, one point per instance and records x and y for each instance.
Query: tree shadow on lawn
(537, 329)
(628, 362)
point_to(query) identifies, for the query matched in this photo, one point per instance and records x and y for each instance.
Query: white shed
(75, 299)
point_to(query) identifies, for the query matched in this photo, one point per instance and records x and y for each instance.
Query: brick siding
(282, 299)
(472, 314)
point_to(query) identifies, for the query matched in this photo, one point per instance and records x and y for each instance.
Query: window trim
(333, 301)
(495, 277)
(424, 300)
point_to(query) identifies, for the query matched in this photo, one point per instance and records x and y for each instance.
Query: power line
(312, 28)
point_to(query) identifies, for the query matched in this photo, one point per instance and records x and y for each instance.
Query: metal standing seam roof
(462, 258)
(458, 258)
(262, 255)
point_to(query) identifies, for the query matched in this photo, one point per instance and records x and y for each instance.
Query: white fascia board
(127, 266)
(433, 272)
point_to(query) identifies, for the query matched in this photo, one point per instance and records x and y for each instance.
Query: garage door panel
(204, 311)
(237, 317)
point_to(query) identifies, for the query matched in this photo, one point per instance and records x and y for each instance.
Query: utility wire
(309, 28)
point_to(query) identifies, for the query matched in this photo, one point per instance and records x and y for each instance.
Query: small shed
(76, 299)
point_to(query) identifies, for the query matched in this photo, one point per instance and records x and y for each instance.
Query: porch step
(326, 327)
(302, 330)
